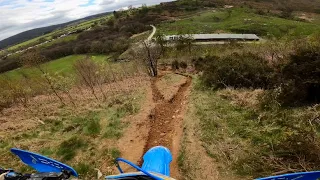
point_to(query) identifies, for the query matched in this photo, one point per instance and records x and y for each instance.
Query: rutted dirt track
(167, 121)
(159, 122)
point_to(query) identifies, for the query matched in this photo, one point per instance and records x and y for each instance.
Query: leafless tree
(86, 70)
(162, 42)
(35, 59)
(150, 54)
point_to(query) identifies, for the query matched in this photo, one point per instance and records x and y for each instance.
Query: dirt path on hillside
(158, 123)
(166, 124)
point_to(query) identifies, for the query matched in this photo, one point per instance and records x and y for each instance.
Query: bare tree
(152, 54)
(162, 42)
(148, 54)
(184, 41)
(86, 70)
(35, 59)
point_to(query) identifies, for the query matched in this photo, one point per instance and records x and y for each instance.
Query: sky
(21, 15)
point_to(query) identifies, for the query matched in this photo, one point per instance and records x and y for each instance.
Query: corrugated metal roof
(218, 36)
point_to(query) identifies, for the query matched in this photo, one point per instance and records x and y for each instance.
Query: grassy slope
(63, 66)
(240, 20)
(83, 139)
(47, 37)
(244, 139)
(60, 40)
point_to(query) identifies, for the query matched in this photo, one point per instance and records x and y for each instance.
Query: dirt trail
(166, 121)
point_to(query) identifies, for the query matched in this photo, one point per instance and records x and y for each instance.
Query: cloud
(21, 15)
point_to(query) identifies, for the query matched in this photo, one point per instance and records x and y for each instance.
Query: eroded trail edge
(166, 122)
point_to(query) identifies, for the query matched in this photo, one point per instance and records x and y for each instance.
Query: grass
(240, 20)
(114, 127)
(90, 124)
(172, 78)
(253, 142)
(76, 136)
(92, 127)
(85, 169)
(67, 149)
(31, 41)
(114, 153)
(62, 66)
(140, 37)
(46, 151)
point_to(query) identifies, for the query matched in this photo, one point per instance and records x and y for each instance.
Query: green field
(239, 20)
(61, 40)
(62, 66)
(13, 48)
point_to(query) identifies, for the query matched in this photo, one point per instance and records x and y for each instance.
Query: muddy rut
(166, 122)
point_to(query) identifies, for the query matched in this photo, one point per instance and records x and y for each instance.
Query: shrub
(302, 76)
(175, 65)
(237, 70)
(81, 48)
(96, 47)
(200, 63)
(183, 65)
(299, 79)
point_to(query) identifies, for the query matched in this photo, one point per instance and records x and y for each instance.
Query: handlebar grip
(11, 175)
(15, 176)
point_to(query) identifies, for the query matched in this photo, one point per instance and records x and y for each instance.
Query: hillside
(30, 34)
(226, 110)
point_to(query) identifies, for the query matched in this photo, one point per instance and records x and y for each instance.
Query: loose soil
(166, 122)
(159, 122)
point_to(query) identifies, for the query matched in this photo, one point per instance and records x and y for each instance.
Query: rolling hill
(30, 34)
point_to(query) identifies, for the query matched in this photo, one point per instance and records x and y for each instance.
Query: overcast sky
(20, 15)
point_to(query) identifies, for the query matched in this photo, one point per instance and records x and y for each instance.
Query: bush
(303, 74)
(299, 80)
(183, 65)
(175, 65)
(96, 47)
(81, 48)
(245, 70)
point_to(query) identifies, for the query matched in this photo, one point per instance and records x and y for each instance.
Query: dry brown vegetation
(51, 113)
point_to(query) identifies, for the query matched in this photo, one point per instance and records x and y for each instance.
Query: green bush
(245, 70)
(300, 81)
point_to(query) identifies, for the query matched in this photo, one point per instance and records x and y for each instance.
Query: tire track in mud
(166, 122)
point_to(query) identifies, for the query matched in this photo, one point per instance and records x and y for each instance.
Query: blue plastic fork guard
(295, 176)
(156, 160)
(41, 163)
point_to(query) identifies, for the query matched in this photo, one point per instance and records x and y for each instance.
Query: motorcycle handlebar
(12, 175)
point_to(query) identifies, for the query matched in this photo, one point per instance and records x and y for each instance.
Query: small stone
(162, 134)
